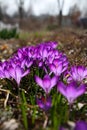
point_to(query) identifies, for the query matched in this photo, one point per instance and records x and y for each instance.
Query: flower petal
(39, 81)
(18, 71)
(40, 104)
(81, 125)
(61, 88)
(59, 69)
(25, 73)
(81, 90)
(6, 72)
(46, 83)
(52, 68)
(12, 72)
(54, 81)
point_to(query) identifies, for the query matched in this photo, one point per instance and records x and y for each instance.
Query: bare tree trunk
(20, 16)
(60, 18)
(60, 8)
(1, 12)
(20, 4)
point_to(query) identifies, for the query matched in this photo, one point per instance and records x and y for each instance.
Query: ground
(73, 42)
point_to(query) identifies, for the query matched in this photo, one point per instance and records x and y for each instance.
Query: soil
(70, 41)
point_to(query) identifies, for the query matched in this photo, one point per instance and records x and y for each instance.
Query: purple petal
(49, 102)
(44, 103)
(74, 75)
(12, 72)
(19, 53)
(62, 128)
(54, 81)
(81, 90)
(71, 92)
(6, 74)
(40, 63)
(52, 68)
(45, 54)
(25, 73)
(80, 70)
(18, 72)
(85, 73)
(81, 125)
(39, 81)
(46, 83)
(2, 74)
(61, 88)
(40, 103)
(59, 69)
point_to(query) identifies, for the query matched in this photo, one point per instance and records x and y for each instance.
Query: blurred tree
(75, 13)
(3, 11)
(1, 14)
(30, 9)
(20, 4)
(60, 7)
(85, 12)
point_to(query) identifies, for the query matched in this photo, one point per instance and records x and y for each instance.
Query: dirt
(72, 42)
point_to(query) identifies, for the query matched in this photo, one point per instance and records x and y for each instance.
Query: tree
(60, 7)
(74, 13)
(3, 10)
(20, 4)
(1, 14)
(30, 9)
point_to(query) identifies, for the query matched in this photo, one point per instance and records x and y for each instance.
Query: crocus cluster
(75, 83)
(12, 71)
(68, 81)
(55, 66)
(41, 55)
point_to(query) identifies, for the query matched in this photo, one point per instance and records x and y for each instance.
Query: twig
(7, 96)
(46, 120)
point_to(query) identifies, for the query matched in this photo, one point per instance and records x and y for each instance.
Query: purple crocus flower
(24, 56)
(77, 73)
(62, 128)
(32, 52)
(45, 50)
(46, 83)
(44, 103)
(71, 91)
(50, 44)
(17, 73)
(4, 73)
(58, 66)
(81, 125)
(53, 44)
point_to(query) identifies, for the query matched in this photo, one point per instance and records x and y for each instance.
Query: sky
(42, 6)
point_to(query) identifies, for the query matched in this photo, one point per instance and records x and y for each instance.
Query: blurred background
(29, 22)
(43, 14)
